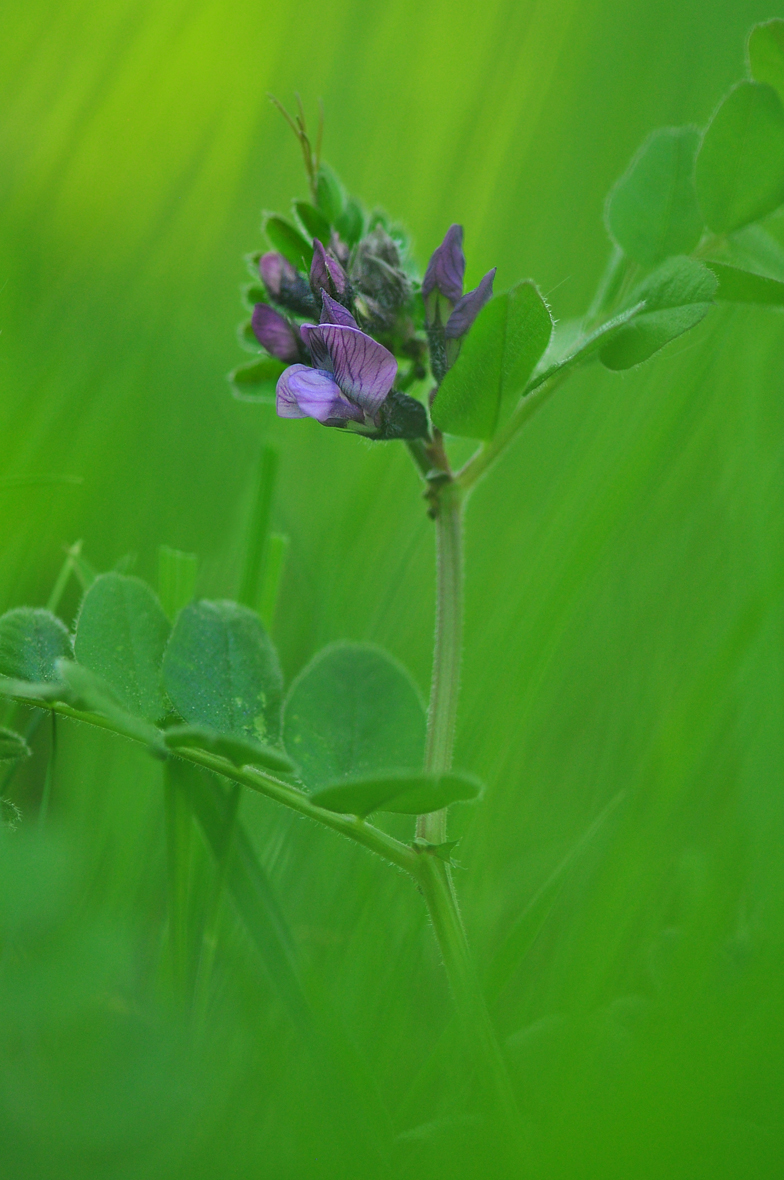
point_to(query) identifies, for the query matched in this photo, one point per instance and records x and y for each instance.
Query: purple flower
(276, 271)
(326, 273)
(351, 380)
(275, 332)
(442, 286)
(333, 312)
(461, 319)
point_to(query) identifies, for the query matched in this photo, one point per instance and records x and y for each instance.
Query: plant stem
(434, 875)
(387, 847)
(445, 684)
(436, 884)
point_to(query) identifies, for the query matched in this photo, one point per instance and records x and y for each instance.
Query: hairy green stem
(358, 830)
(436, 884)
(445, 684)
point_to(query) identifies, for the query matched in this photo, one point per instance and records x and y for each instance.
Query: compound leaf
(498, 356)
(675, 298)
(31, 642)
(352, 711)
(652, 211)
(221, 671)
(766, 54)
(399, 791)
(238, 749)
(121, 635)
(740, 165)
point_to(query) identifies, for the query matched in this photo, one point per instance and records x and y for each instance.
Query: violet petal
(333, 312)
(326, 273)
(303, 392)
(364, 369)
(446, 267)
(469, 307)
(275, 332)
(314, 341)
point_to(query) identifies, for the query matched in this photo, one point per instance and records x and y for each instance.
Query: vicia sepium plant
(345, 332)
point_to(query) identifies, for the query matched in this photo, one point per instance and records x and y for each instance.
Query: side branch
(358, 830)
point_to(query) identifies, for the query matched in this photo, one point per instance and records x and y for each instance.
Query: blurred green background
(624, 584)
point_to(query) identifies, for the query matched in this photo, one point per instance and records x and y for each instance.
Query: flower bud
(275, 333)
(442, 286)
(275, 271)
(326, 273)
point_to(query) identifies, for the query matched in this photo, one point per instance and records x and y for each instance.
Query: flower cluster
(358, 330)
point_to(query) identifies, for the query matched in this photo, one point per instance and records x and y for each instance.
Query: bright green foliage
(676, 296)
(740, 166)
(249, 342)
(256, 381)
(752, 248)
(88, 691)
(238, 749)
(652, 211)
(221, 671)
(352, 711)
(766, 54)
(397, 791)
(176, 579)
(31, 641)
(288, 240)
(743, 286)
(351, 222)
(12, 746)
(497, 359)
(313, 220)
(253, 293)
(330, 194)
(121, 635)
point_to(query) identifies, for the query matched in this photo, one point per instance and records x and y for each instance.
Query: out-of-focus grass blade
(250, 889)
(532, 918)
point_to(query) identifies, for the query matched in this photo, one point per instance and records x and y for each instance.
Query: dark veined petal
(363, 368)
(469, 307)
(333, 312)
(275, 332)
(274, 270)
(446, 267)
(303, 392)
(314, 341)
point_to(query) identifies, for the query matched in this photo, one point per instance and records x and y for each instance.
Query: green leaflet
(676, 297)
(253, 293)
(239, 750)
(12, 746)
(87, 690)
(740, 166)
(766, 54)
(752, 248)
(31, 641)
(221, 671)
(121, 635)
(313, 221)
(288, 241)
(352, 711)
(405, 793)
(256, 381)
(351, 222)
(330, 196)
(652, 211)
(495, 363)
(743, 286)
